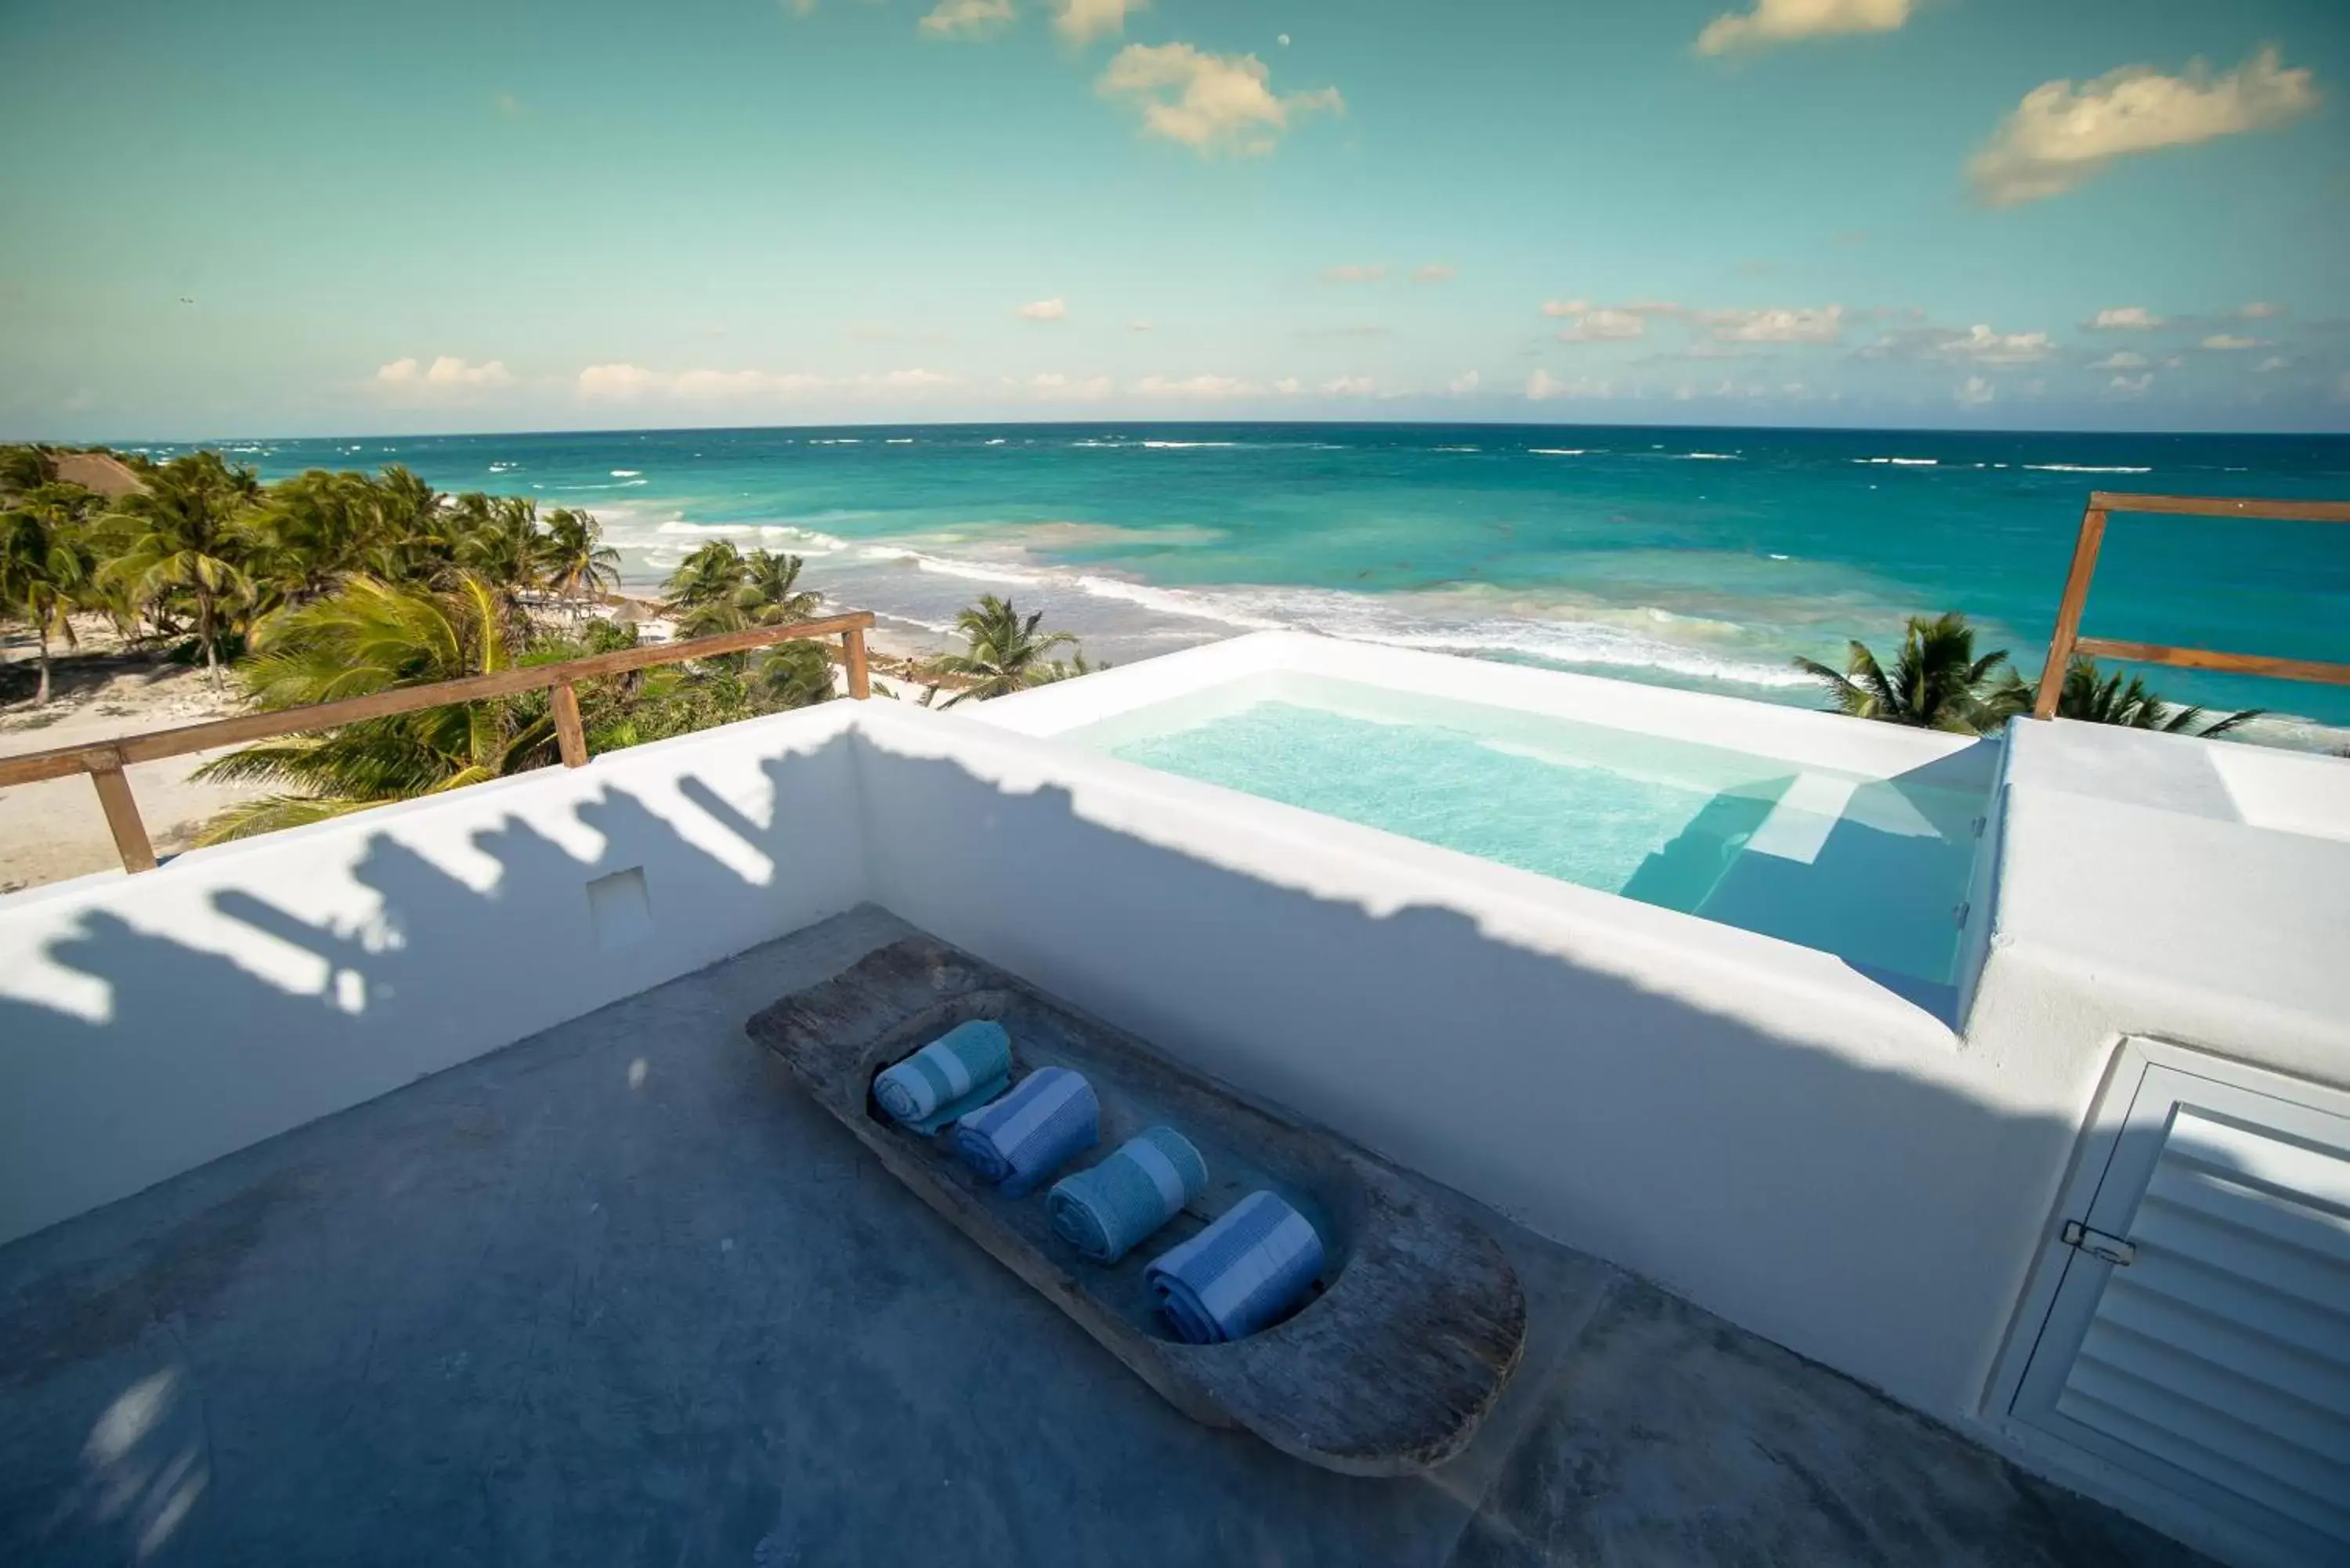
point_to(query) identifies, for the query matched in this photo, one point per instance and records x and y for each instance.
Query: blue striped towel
(960, 1071)
(1238, 1274)
(1050, 1117)
(1112, 1208)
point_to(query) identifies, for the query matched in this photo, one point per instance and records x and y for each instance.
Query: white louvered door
(2216, 1360)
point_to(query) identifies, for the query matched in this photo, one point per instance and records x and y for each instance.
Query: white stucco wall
(149, 1024)
(1754, 1124)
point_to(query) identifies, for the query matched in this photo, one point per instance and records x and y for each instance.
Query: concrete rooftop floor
(619, 1294)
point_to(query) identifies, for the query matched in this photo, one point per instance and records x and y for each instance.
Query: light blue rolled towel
(959, 1072)
(1238, 1274)
(1049, 1117)
(1108, 1210)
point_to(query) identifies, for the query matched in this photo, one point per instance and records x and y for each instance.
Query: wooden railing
(104, 760)
(2067, 640)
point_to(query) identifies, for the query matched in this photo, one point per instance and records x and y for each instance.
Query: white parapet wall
(1754, 1124)
(150, 1023)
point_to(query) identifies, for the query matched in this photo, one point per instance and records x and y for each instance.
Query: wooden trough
(1388, 1370)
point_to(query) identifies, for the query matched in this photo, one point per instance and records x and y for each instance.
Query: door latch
(2097, 1244)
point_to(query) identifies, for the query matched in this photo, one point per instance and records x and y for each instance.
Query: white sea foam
(1460, 449)
(1558, 451)
(1186, 445)
(899, 441)
(1905, 461)
(2083, 468)
(1776, 556)
(992, 441)
(626, 472)
(837, 440)
(1708, 457)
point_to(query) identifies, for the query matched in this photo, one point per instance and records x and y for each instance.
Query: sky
(278, 217)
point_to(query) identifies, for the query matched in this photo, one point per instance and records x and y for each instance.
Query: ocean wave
(626, 472)
(992, 441)
(837, 440)
(1460, 449)
(1905, 461)
(1558, 451)
(950, 566)
(1707, 457)
(899, 441)
(1439, 622)
(805, 541)
(2083, 468)
(1186, 445)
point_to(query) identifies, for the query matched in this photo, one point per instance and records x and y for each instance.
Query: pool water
(1875, 871)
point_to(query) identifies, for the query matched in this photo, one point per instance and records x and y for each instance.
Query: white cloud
(2063, 134)
(913, 380)
(1824, 325)
(2274, 362)
(1974, 392)
(1053, 310)
(1200, 386)
(1289, 386)
(1542, 387)
(1209, 103)
(2232, 341)
(628, 383)
(2129, 386)
(1984, 346)
(1566, 307)
(1371, 274)
(444, 373)
(1605, 326)
(1140, 324)
(631, 383)
(1785, 21)
(968, 18)
(1463, 386)
(1083, 21)
(1350, 387)
(2124, 319)
(2122, 360)
(1434, 271)
(1053, 388)
(2261, 310)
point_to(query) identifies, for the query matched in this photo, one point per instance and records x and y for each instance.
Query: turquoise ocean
(1698, 557)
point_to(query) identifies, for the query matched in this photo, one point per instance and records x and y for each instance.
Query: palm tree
(2093, 697)
(714, 573)
(578, 563)
(1005, 653)
(43, 565)
(498, 541)
(185, 532)
(1937, 683)
(767, 595)
(373, 636)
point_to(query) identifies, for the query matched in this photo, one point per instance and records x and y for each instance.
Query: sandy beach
(54, 830)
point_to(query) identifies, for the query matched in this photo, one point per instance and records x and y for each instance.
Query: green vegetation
(1939, 682)
(1004, 654)
(337, 584)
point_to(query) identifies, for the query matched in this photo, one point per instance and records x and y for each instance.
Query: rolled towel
(1108, 1210)
(1049, 1116)
(1238, 1274)
(960, 1071)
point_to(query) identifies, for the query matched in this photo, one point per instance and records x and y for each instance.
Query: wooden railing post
(130, 842)
(2069, 613)
(860, 683)
(570, 736)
